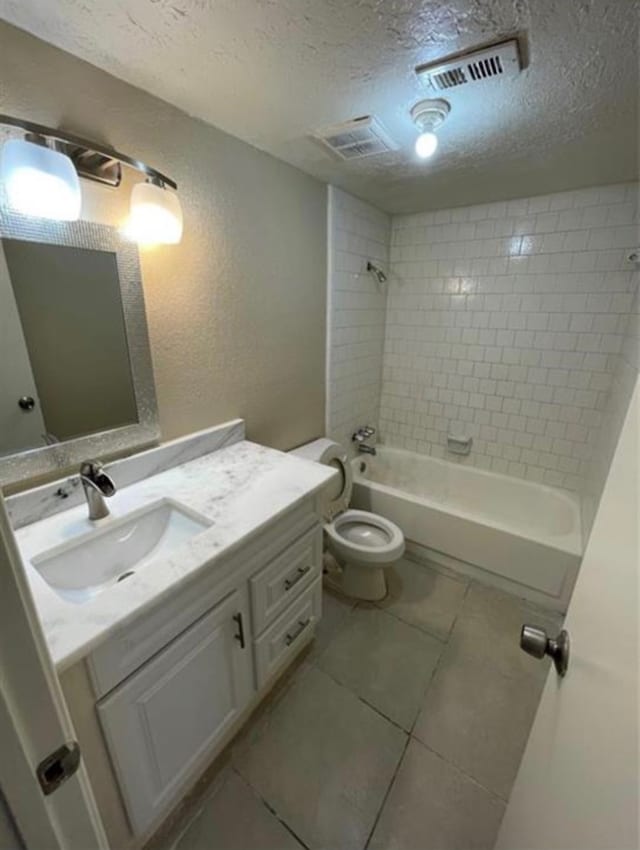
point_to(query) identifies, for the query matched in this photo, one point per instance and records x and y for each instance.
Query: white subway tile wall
(505, 322)
(603, 440)
(358, 232)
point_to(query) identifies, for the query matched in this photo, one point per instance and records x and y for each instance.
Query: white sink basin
(92, 562)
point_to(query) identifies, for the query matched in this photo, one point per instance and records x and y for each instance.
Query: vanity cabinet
(165, 720)
(173, 686)
(282, 639)
(283, 578)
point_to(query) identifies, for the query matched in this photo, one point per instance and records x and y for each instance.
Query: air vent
(358, 138)
(477, 66)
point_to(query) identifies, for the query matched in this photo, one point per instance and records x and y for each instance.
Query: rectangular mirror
(75, 366)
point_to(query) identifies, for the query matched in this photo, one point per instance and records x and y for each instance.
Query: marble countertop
(239, 489)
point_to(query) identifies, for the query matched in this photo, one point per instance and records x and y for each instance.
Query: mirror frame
(31, 463)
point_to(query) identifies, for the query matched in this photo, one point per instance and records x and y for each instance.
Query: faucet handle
(363, 433)
(94, 472)
(89, 468)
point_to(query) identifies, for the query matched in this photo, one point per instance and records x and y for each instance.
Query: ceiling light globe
(426, 145)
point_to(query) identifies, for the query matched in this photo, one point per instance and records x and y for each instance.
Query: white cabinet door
(162, 723)
(577, 788)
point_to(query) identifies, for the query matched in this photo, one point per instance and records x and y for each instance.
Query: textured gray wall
(237, 310)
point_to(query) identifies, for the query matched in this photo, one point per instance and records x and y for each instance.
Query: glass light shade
(155, 216)
(40, 181)
(426, 145)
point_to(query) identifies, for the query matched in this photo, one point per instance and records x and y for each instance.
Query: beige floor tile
(336, 613)
(384, 661)
(433, 806)
(234, 818)
(479, 718)
(323, 760)
(488, 627)
(424, 598)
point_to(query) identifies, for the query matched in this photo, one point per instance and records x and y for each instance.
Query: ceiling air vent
(354, 139)
(476, 66)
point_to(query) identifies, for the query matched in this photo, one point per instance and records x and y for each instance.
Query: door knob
(535, 641)
(26, 402)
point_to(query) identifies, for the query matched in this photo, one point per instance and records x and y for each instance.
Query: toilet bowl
(363, 544)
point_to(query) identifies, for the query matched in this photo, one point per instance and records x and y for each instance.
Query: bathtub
(518, 535)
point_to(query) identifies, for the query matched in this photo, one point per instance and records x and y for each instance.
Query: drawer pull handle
(302, 625)
(240, 635)
(300, 572)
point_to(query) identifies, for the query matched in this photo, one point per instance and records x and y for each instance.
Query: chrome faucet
(367, 450)
(360, 436)
(96, 484)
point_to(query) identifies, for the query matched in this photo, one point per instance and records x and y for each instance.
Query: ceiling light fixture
(428, 115)
(40, 177)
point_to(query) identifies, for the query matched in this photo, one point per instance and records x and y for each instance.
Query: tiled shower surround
(358, 232)
(508, 322)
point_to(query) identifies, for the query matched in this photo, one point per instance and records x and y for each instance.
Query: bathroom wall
(358, 232)
(237, 310)
(9, 838)
(603, 439)
(505, 322)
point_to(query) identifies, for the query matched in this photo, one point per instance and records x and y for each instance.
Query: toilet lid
(336, 495)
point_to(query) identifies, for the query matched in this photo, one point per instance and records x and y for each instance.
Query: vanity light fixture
(156, 214)
(40, 180)
(40, 175)
(428, 115)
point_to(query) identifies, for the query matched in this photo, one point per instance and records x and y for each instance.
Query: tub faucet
(363, 433)
(96, 484)
(367, 450)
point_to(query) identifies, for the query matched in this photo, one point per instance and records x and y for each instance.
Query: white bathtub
(516, 534)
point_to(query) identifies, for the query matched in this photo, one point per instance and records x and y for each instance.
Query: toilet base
(366, 583)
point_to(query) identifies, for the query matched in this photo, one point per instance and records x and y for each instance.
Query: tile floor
(402, 729)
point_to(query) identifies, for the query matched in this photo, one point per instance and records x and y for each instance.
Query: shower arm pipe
(92, 160)
(381, 277)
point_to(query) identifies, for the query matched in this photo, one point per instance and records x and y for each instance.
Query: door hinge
(53, 771)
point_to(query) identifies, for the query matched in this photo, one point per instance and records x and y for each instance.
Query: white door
(19, 429)
(34, 722)
(578, 784)
(163, 722)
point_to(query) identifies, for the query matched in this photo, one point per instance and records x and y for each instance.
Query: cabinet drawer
(281, 640)
(275, 586)
(164, 722)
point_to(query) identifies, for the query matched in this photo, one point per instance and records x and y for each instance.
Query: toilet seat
(365, 537)
(363, 544)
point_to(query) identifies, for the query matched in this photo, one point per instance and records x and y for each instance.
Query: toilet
(362, 543)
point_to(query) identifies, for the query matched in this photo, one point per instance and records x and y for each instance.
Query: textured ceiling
(272, 71)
